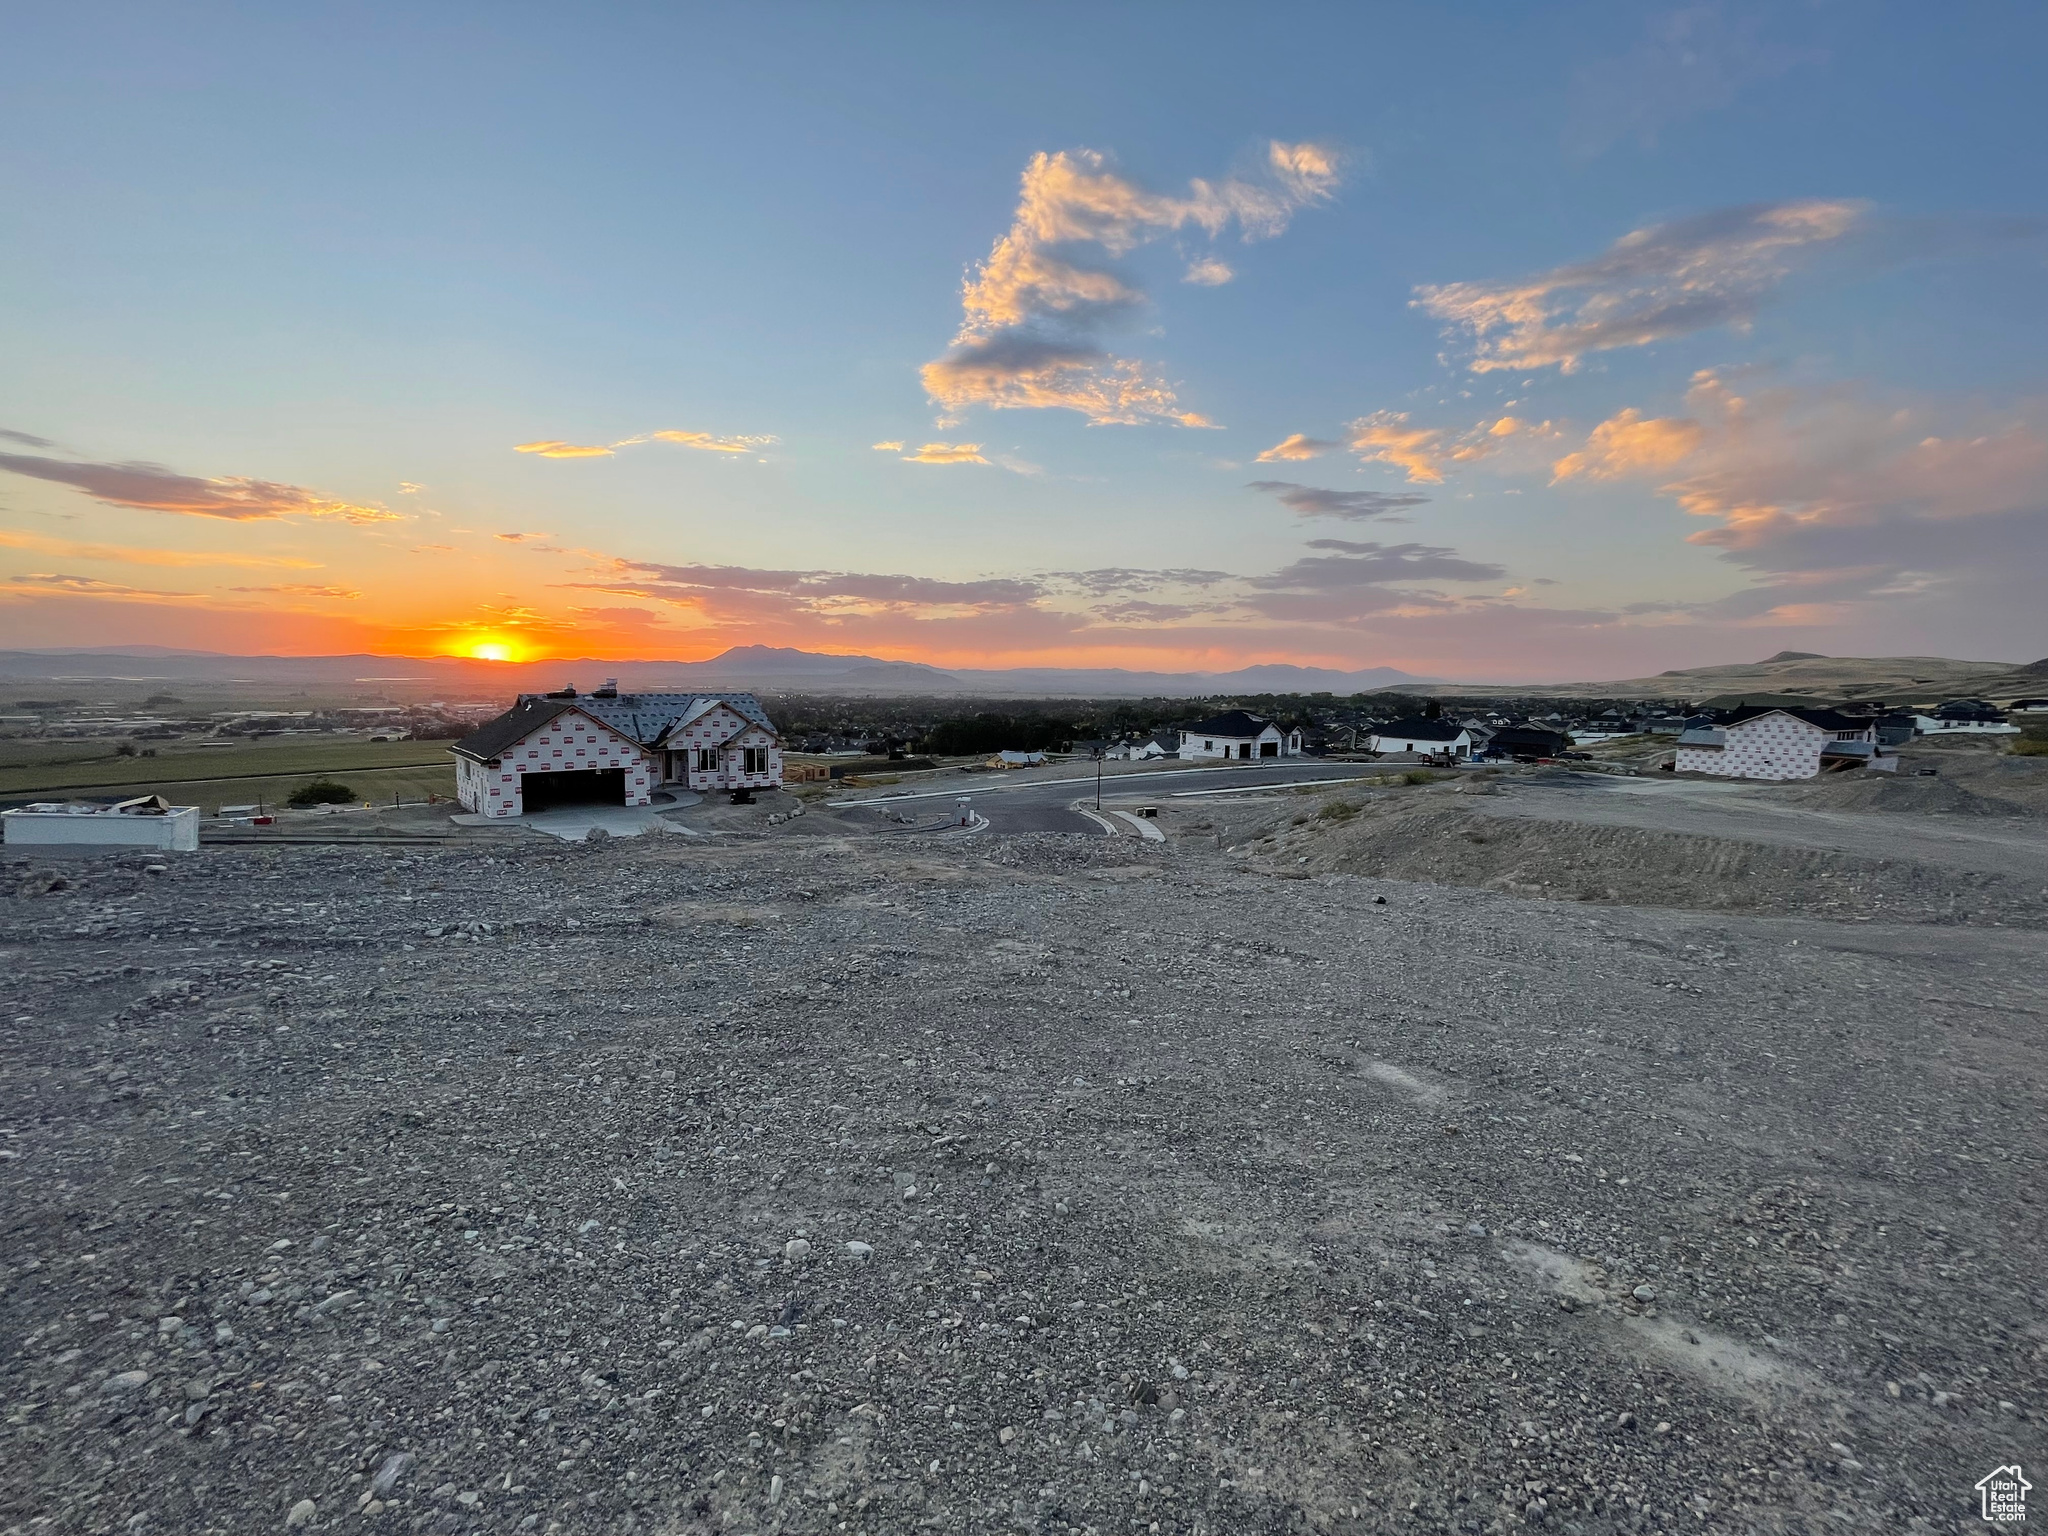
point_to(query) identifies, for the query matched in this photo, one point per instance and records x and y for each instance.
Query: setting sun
(489, 647)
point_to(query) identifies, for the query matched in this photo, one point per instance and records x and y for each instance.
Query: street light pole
(1098, 778)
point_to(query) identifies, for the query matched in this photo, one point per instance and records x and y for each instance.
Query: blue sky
(282, 293)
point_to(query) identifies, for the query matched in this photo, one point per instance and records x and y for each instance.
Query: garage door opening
(594, 786)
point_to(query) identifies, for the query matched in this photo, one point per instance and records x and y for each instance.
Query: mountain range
(781, 669)
(777, 668)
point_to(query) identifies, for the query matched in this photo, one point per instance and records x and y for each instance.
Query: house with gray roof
(611, 748)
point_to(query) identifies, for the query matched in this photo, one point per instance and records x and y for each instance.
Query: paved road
(1038, 801)
(1986, 844)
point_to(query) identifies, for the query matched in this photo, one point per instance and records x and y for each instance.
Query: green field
(210, 777)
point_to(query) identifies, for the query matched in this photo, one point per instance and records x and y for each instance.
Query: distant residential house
(1164, 743)
(613, 748)
(1008, 759)
(1236, 734)
(2028, 707)
(1527, 743)
(1089, 748)
(1438, 738)
(1965, 717)
(1776, 743)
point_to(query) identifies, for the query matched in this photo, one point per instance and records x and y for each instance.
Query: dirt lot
(822, 1183)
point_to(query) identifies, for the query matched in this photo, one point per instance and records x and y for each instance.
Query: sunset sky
(1516, 343)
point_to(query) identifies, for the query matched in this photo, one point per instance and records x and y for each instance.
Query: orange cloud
(946, 453)
(1294, 447)
(554, 448)
(1631, 444)
(888, 447)
(708, 442)
(1385, 437)
(1031, 311)
(1013, 372)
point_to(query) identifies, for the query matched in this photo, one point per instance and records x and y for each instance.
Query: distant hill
(1801, 674)
(782, 669)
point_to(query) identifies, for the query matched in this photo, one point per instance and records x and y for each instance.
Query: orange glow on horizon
(490, 647)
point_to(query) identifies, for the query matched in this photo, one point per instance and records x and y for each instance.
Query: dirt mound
(1971, 777)
(1570, 861)
(1902, 793)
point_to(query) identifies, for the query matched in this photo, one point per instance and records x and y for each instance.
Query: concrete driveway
(575, 823)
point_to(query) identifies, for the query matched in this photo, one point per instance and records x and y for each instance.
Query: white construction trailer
(148, 822)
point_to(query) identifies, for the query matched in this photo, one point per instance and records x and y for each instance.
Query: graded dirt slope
(1047, 1185)
(1720, 846)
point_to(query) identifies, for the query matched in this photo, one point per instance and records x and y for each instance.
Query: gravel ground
(835, 1183)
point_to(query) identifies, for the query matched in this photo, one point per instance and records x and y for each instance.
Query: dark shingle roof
(523, 718)
(1826, 719)
(1420, 730)
(643, 717)
(646, 717)
(1232, 722)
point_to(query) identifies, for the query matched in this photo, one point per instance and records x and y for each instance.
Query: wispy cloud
(555, 448)
(301, 589)
(521, 538)
(26, 439)
(1208, 272)
(1653, 284)
(1386, 437)
(1036, 308)
(1356, 563)
(892, 446)
(126, 554)
(152, 488)
(1296, 447)
(710, 443)
(55, 584)
(946, 453)
(1358, 506)
(1695, 59)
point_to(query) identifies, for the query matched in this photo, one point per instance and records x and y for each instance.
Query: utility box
(144, 823)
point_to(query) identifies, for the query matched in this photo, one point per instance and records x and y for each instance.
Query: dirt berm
(1570, 861)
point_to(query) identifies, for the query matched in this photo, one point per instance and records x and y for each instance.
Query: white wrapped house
(1236, 734)
(1792, 742)
(613, 748)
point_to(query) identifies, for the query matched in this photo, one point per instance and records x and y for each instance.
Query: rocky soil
(1047, 1184)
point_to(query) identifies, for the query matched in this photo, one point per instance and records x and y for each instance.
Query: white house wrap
(1793, 742)
(614, 748)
